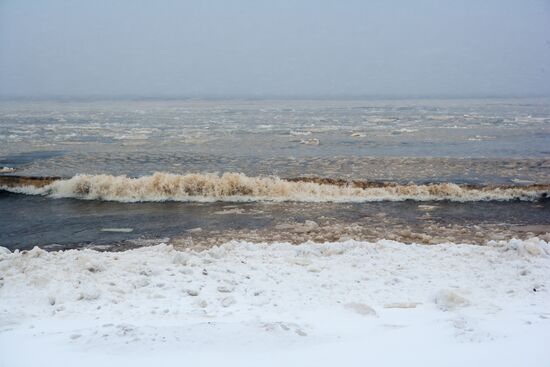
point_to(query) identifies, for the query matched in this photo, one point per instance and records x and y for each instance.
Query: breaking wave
(234, 187)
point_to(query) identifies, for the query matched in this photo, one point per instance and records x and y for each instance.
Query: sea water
(416, 170)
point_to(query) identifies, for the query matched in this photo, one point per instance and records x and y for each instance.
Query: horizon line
(207, 97)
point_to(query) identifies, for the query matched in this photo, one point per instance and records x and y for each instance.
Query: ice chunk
(122, 230)
(7, 169)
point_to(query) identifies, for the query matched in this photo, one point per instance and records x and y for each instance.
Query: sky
(246, 48)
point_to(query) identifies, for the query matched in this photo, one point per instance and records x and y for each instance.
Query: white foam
(7, 169)
(235, 187)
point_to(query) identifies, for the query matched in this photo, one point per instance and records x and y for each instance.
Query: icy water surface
(437, 153)
(67, 223)
(264, 137)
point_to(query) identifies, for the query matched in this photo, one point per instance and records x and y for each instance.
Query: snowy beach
(385, 303)
(274, 183)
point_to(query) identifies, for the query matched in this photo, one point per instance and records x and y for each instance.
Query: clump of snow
(192, 292)
(447, 300)
(320, 304)
(531, 247)
(89, 293)
(361, 308)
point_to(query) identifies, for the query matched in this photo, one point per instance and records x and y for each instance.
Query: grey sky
(274, 48)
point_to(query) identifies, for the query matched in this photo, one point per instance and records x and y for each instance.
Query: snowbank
(351, 302)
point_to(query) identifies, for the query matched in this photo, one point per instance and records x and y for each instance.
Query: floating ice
(121, 230)
(7, 169)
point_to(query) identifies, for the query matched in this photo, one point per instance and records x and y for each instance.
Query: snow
(245, 304)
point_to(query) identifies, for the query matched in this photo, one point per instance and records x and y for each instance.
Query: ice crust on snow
(248, 296)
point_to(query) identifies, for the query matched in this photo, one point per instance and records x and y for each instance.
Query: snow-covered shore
(351, 303)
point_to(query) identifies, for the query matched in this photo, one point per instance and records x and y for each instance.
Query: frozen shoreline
(256, 304)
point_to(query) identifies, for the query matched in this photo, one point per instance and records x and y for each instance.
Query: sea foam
(237, 187)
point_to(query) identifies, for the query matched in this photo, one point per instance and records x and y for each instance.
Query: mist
(274, 49)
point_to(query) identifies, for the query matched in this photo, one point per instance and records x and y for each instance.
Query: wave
(237, 187)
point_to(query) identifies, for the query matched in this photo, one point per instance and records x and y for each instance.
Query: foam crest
(235, 187)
